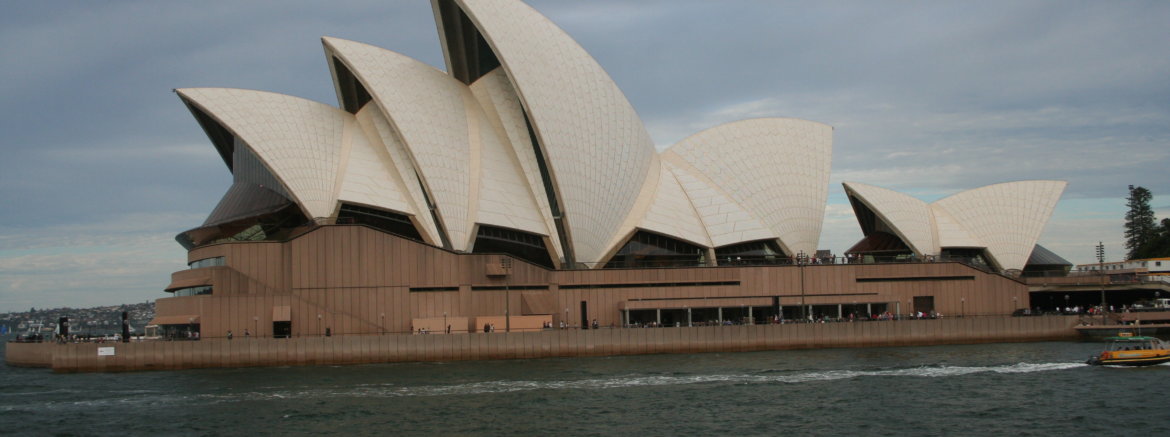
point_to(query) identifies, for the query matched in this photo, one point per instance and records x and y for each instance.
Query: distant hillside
(97, 320)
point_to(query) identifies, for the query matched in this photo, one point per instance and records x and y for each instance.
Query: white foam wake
(626, 381)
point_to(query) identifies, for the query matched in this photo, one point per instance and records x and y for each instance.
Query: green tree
(1140, 224)
(1159, 246)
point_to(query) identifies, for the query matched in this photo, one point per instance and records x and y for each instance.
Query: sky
(102, 164)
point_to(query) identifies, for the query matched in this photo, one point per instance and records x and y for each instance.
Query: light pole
(318, 324)
(446, 327)
(382, 322)
(800, 268)
(256, 325)
(1101, 269)
(505, 262)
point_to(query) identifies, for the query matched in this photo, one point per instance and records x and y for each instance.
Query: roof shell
(299, 140)
(910, 218)
(598, 151)
(777, 169)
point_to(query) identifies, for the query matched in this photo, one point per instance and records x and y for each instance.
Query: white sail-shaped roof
(671, 212)
(428, 109)
(725, 221)
(1008, 218)
(299, 140)
(526, 132)
(1003, 219)
(598, 152)
(910, 219)
(369, 174)
(498, 99)
(380, 132)
(777, 169)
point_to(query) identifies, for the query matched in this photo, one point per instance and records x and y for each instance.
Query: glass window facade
(524, 245)
(762, 252)
(647, 249)
(193, 291)
(207, 262)
(391, 222)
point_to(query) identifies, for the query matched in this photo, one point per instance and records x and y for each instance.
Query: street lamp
(1101, 268)
(256, 325)
(318, 324)
(800, 268)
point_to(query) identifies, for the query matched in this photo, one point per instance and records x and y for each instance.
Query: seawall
(339, 350)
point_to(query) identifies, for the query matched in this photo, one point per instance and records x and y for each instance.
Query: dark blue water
(1004, 389)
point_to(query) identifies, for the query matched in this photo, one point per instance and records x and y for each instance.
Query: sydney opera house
(519, 189)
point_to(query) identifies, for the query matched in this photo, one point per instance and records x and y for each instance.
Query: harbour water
(997, 389)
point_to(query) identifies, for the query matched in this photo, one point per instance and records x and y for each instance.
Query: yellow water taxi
(1133, 351)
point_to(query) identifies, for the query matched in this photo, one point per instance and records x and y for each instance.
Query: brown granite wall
(356, 349)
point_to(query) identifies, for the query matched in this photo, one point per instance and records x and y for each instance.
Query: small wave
(627, 381)
(389, 390)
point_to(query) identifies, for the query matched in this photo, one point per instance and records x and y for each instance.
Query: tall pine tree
(1140, 225)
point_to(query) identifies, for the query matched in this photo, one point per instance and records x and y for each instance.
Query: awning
(193, 280)
(192, 319)
(727, 302)
(281, 314)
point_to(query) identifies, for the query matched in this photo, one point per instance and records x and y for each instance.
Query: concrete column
(869, 309)
(720, 315)
(750, 315)
(658, 316)
(840, 313)
(689, 322)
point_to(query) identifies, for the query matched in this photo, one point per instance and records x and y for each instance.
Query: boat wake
(630, 381)
(393, 390)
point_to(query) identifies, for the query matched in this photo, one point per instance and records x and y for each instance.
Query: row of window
(207, 262)
(193, 291)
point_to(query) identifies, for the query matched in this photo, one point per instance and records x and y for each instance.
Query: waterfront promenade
(365, 349)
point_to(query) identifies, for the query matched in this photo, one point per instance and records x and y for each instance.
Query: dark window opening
(917, 279)
(206, 262)
(924, 304)
(277, 226)
(446, 242)
(524, 245)
(203, 290)
(281, 329)
(471, 56)
(220, 136)
(973, 257)
(647, 249)
(553, 204)
(652, 285)
(429, 289)
(353, 95)
(386, 221)
(762, 252)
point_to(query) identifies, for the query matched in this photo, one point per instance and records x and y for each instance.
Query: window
(646, 249)
(193, 291)
(524, 245)
(207, 262)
